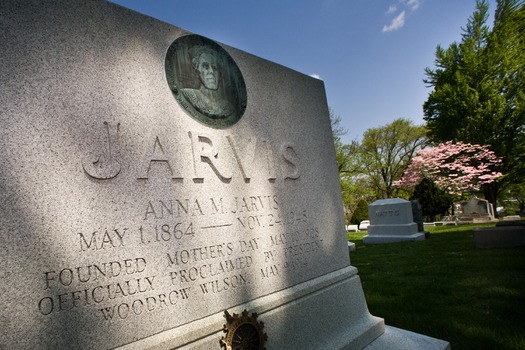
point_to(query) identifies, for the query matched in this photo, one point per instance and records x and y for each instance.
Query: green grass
(446, 288)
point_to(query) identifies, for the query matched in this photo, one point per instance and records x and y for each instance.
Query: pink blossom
(454, 167)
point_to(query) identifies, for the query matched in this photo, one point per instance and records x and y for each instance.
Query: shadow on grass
(446, 288)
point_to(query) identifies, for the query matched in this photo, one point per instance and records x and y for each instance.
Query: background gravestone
(477, 210)
(391, 220)
(417, 214)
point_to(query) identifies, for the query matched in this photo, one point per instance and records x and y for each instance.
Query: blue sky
(371, 54)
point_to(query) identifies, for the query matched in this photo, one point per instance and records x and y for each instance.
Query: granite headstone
(158, 185)
(391, 220)
(417, 214)
(477, 210)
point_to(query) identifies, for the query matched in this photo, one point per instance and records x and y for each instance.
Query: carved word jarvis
(195, 156)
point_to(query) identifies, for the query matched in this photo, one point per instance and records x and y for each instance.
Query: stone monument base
(393, 233)
(466, 220)
(399, 339)
(328, 312)
(377, 239)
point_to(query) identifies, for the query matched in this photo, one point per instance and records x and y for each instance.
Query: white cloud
(413, 4)
(391, 9)
(316, 76)
(407, 7)
(397, 22)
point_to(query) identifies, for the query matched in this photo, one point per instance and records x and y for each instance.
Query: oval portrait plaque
(205, 81)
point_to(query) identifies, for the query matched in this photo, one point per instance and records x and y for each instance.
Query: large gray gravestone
(391, 220)
(154, 182)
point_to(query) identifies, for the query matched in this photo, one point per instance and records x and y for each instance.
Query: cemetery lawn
(446, 288)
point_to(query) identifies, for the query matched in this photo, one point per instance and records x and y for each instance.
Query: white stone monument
(391, 221)
(157, 185)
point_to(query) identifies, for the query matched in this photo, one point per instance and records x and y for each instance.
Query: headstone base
(378, 239)
(500, 236)
(476, 220)
(328, 312)
(399, 339)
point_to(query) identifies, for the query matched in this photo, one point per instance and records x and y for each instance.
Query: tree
(454, 167)
(433, 200)
(385, 152)
(360, 213)
(353, 185)
(478, 92)
(341, 150)
(344, 153)
(513, 199)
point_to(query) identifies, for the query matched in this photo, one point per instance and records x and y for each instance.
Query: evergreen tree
(433, 200)
(360, 213)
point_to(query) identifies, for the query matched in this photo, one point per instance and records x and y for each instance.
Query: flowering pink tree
(454, 167)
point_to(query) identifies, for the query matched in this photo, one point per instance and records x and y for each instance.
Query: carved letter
(268, 160)
(290, 156)
(245, 163)
(203, 151)
(159, 156)
(105, 167)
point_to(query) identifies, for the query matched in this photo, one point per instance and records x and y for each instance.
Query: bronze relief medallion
(205, 81)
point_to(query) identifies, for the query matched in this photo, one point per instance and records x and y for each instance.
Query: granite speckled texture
(125, 223)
